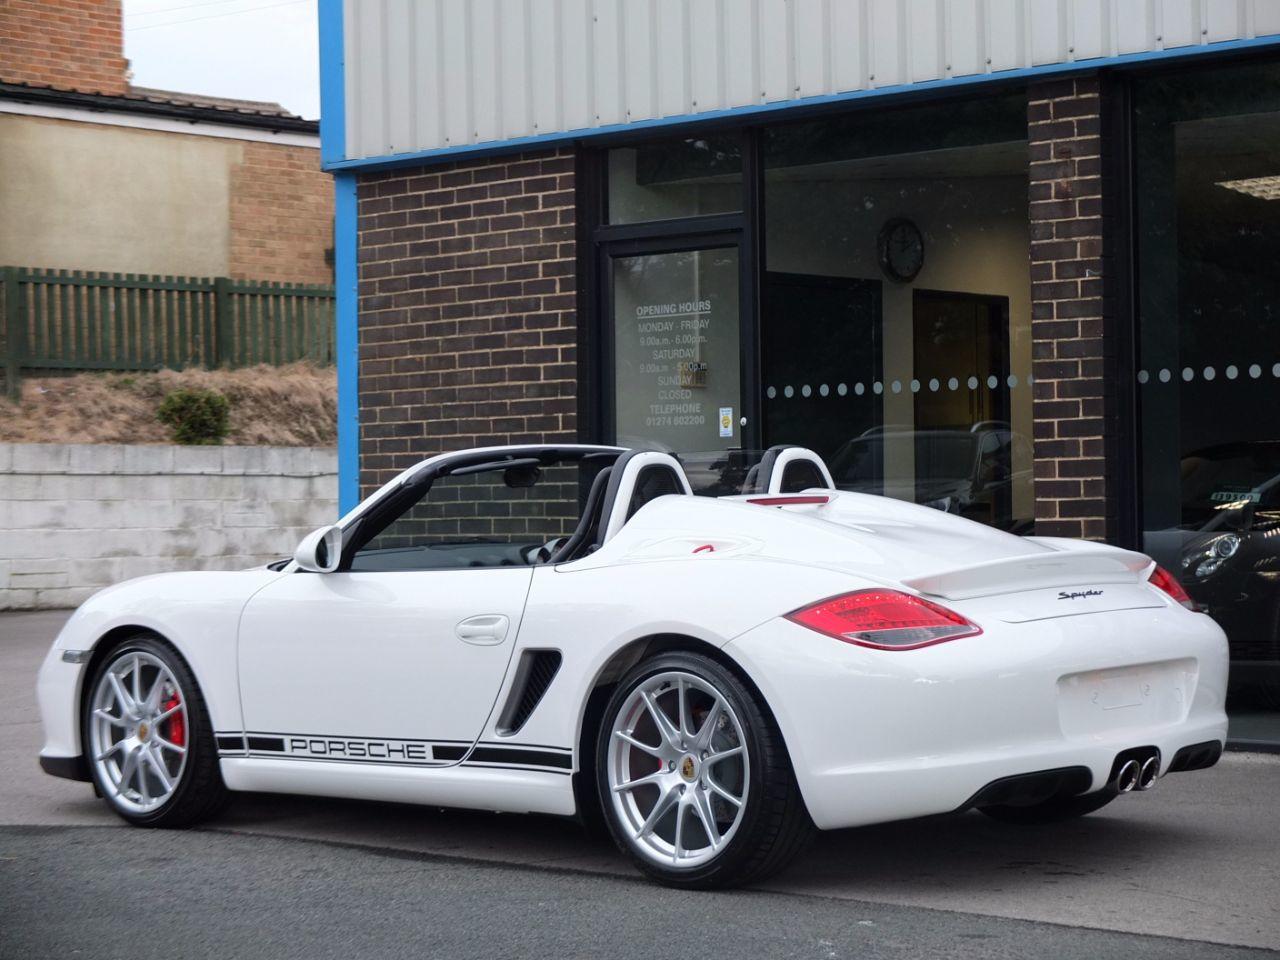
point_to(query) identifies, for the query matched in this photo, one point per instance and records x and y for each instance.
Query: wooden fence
(74, 320)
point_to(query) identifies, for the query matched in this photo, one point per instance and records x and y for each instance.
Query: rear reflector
(789, 501)
(885, 620)
(1167, 582)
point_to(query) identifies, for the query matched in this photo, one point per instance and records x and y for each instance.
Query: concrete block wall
(78, 517)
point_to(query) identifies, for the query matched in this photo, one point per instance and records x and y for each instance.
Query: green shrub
(195, 416)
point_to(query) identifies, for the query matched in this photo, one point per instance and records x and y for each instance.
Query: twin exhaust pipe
(1137, 774)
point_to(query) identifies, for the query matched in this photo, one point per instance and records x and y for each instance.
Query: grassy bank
(294, 405)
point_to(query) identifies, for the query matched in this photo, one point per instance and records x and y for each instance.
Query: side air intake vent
(534, 673)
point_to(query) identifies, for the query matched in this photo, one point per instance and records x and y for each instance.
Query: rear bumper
(887, 735)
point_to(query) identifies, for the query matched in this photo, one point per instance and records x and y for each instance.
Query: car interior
(521, 507)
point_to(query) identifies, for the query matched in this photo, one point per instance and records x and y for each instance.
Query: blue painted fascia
(347, 341)
(333, 92)
(491, 147)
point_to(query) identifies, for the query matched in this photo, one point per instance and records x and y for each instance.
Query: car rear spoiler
(1086, 566)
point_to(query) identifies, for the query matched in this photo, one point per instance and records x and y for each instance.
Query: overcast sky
(251, 49)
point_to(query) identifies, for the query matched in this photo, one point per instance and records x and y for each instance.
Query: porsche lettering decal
(392, 750)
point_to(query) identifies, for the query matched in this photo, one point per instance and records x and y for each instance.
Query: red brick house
(99, 174)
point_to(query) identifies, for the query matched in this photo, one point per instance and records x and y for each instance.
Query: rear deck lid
(1026, 606)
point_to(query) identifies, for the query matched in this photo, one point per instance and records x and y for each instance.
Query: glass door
(674, 331)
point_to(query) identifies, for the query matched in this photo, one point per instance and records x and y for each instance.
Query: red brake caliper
(177, 727)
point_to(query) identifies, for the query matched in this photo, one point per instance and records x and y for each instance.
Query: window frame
(399, 497)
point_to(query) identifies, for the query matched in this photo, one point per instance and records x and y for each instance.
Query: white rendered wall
(78, 517)
(432, 74)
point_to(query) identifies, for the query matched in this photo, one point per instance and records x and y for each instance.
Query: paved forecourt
(1198, 858)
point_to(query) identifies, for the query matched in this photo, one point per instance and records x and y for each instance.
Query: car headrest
(788, 469)
(638, 477)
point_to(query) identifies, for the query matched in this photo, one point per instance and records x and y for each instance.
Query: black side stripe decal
(419, 766)
(526, 746)
(299, 747)
(514, 755)
(275, 744)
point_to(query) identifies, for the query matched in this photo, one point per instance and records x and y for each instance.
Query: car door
(398, 655)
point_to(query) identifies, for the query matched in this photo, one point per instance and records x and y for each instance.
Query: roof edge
(798, 108)
(114, 103)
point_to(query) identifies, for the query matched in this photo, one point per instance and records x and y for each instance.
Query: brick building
(98, 174)
(468, 308)
(1009, 259)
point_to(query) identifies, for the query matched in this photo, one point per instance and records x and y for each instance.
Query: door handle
(483, 630)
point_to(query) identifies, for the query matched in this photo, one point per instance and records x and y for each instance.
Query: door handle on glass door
(484, 630)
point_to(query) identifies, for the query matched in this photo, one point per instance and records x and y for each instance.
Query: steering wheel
(548, 550)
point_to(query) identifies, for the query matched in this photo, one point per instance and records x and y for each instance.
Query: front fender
(198, 612)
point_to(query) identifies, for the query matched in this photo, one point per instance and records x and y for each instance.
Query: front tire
(147, 736)
(694, 779)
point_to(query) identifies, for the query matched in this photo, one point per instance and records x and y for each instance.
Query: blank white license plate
(1149, 694)
(1116, 692)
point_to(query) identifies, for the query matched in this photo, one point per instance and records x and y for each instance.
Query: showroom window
(676, 336)
(886, 326)
(1207, 182)
(695, 176)
(895, 305)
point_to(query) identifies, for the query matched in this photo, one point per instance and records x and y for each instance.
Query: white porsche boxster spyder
(569, 630)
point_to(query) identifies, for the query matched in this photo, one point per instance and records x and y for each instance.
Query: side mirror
(320, 550)
(1242, 518)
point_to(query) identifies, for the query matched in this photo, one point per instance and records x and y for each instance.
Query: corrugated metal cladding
(430, 74)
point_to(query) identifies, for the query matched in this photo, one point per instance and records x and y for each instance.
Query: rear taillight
(884, 619)
(1167, 582)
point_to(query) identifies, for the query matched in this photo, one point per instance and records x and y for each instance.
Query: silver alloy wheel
(138, 732)
(678, 770)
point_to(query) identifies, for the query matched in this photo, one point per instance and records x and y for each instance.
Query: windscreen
(501, 514)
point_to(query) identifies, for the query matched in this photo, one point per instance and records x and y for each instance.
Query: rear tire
(147, 737)
(1055, 810)
(716, 774)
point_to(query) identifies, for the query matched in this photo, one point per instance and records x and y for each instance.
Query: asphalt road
(1182, 871)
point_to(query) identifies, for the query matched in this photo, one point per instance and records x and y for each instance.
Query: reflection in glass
(897, 265)
(1207, 148)
(677, 366)
(675, 178)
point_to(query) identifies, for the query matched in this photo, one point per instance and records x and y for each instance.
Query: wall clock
(901, 249)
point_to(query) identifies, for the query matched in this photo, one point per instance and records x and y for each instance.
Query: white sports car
(567, 630)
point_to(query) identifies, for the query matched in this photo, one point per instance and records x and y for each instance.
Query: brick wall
(66, 43)
(281, 214)
(1073, 362)
(468, 327)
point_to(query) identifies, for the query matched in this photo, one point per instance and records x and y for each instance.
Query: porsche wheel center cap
(689, 768)
(143, 730)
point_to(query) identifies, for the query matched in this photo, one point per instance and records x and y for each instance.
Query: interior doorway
(961, 341)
